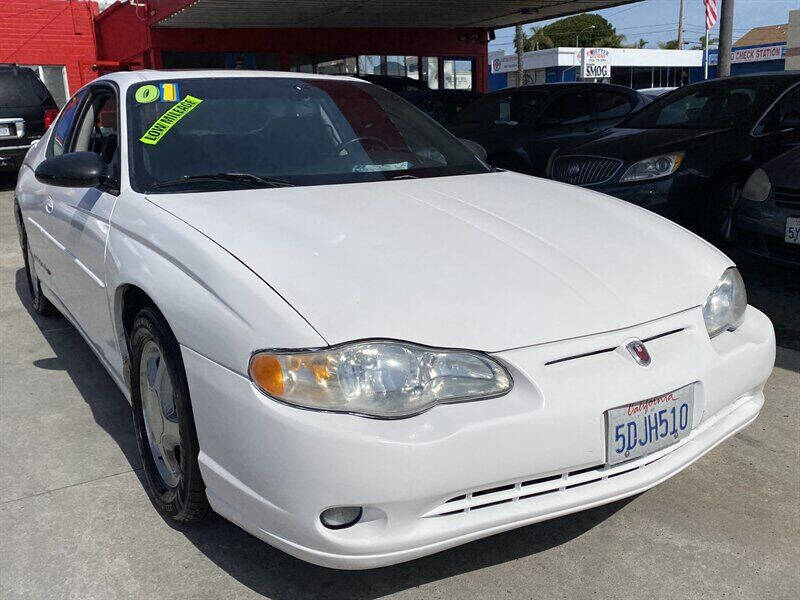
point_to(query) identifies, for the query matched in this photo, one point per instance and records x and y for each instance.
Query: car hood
(635, 144)
(492, 261)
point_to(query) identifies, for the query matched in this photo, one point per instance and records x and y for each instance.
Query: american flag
(711, 13)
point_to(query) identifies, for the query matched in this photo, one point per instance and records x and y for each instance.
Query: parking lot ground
(75, 521)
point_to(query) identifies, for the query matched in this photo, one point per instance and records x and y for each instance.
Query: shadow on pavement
(8, 182)
(277, 575)
(109, 407)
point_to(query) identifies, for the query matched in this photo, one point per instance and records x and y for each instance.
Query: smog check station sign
(595, 63)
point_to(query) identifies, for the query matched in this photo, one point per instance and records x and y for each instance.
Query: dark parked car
(687, 155)
(443, 106)
(520, 127)
(767, 216)
(402, 86)
(26, 110)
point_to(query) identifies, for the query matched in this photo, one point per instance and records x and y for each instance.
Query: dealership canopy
(373, 13)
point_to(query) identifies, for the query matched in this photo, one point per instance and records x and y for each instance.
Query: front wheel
(163, 420)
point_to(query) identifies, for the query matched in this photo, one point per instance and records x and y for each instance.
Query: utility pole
(725, 39)
(519, 42)
(680, 26)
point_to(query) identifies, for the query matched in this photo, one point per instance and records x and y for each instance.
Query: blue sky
(657, 20)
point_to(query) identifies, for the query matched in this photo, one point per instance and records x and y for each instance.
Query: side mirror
(76, 169)
(475, 148)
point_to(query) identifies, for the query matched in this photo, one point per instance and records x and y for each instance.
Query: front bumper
(464, 471)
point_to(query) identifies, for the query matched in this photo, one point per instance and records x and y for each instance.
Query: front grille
(785, 196)
(584, 170)
(534, 488)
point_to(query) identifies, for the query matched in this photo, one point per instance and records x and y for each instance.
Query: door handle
(48, 205)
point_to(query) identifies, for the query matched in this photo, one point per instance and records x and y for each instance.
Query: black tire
(185, 499)
(719, 208)
(41, 305)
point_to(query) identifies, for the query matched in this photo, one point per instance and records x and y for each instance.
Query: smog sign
(595, 63)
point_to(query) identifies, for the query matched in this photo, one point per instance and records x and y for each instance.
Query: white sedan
(341, 330)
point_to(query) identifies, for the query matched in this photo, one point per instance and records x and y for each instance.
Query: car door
(80, 221)
(564, 122)
(47, 243)
(779, 129)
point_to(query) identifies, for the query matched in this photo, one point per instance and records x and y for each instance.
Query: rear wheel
(163, 420)
(40, 303)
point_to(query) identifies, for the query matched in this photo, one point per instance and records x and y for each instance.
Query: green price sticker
(166, 121)
(146, 93)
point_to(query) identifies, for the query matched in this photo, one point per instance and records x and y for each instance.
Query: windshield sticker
(165, 92)
(146, 94)
(400, 166)
(169, 92)
(166, 121)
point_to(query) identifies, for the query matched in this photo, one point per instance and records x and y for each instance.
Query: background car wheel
(40, 303)
(719, 209)
(162, 416)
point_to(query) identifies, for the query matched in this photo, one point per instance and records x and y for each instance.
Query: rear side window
(611, 105)
(501, 109)
(20, 87)
(63, 126)
(785, 113)
(572, 107)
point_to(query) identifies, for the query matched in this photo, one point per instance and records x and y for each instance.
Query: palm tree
(538, 39)
(614, 40)
(670, 45)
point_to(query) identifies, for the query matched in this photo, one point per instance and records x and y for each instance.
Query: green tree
(564, 31)
(640, 43)
(670, 45)
(702, 46)
(538, 40)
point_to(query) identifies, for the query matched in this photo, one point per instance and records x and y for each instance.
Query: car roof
(128, 78)
(560, 85)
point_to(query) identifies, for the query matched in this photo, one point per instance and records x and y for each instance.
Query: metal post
(519, 41)
(705, 62)
(680, 27)
(725, 39)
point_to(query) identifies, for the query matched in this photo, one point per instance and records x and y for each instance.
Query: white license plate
(5, 130)
(792, 230)
(649, 425)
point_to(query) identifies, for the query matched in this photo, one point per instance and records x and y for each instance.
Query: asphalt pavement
(75, 521)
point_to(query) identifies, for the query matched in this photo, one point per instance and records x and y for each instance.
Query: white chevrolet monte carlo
(341, 330)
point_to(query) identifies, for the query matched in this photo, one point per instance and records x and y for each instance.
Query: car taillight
(49, 116)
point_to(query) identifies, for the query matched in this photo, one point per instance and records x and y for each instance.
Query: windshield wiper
(248, 178)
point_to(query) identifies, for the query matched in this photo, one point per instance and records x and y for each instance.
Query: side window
(785, 114)
(97, 131)
(611, 105)
(63, 126)
(501, 109)
(572, 107)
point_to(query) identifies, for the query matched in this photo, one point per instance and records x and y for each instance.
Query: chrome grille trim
(592, 170)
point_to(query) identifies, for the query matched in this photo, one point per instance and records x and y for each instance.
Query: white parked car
(341, 330)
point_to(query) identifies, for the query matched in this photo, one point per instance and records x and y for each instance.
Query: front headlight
(654, 167)
(758, 186)
(724, 308)
(378, 378)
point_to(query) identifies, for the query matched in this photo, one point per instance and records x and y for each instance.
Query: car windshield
(706, 106)
(283, 130)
